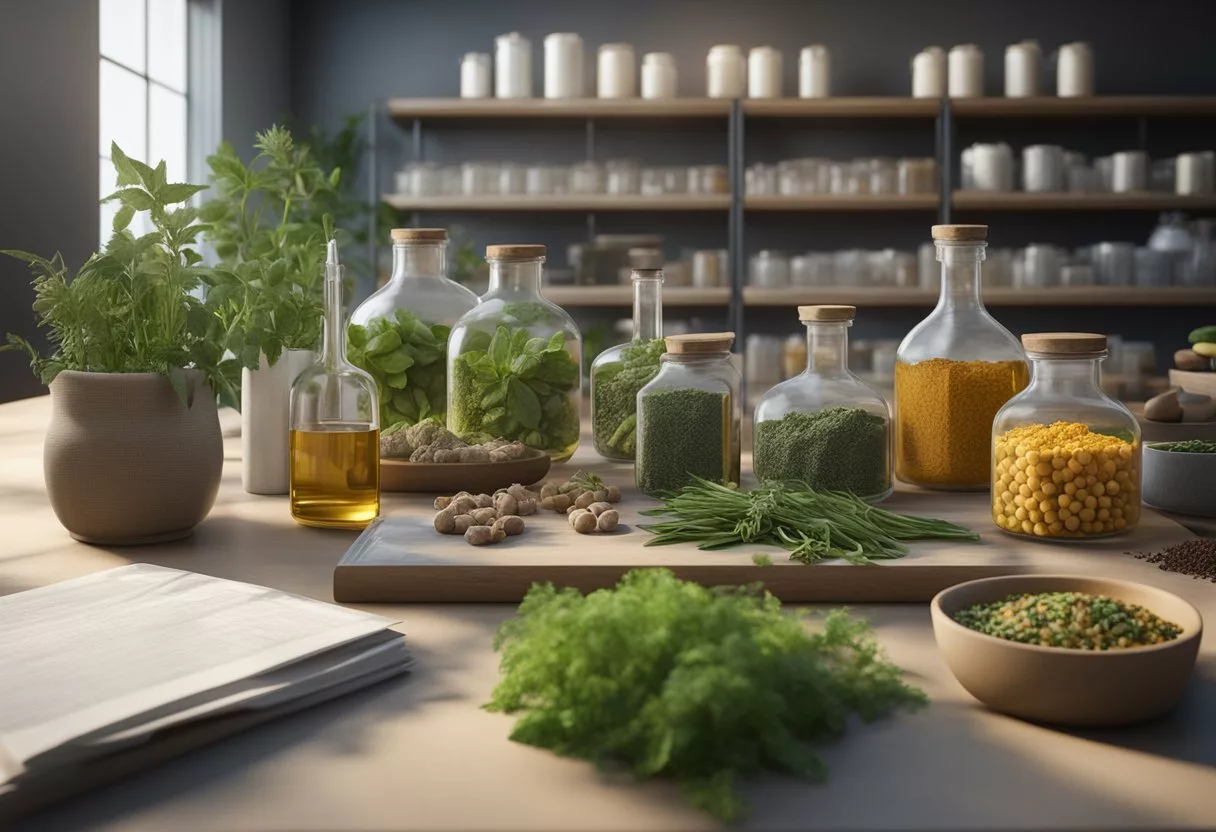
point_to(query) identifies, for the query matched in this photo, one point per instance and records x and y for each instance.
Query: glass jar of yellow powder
(1065, 456)
(953, 372)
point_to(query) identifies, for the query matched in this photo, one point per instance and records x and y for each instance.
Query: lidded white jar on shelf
(658, 75)
(1075, 71)
(475, 75)
(512, 66)
(616, 72)
(563, 65)
(814, 72)
(965, 71)
(726, 72)
(929, 73)
(764, 72)
(1023, 66)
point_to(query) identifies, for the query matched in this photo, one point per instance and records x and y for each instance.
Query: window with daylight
(143, 48)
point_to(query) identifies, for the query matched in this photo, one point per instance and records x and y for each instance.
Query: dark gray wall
(256, 69)
(48, 157)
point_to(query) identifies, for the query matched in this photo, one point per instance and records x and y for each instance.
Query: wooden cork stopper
(514, 252)
(699, 343)
(419, 235)
(827, 312)
(960, 233)
(1064, 343)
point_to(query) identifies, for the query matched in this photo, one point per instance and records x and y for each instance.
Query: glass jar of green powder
(825, 427)
(688, 416)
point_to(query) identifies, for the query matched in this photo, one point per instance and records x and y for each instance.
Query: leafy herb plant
(614, 395)
(670, 679)
(516, 387)
(406, 357)
(131, 307)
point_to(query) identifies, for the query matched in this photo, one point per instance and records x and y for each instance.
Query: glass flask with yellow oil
(335, 428)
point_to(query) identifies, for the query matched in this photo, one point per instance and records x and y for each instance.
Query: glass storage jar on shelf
(399, 334)
(689, 415)
(619, 372)
(514, 361)
(1065, 456)
(825, 427)
(953, 372)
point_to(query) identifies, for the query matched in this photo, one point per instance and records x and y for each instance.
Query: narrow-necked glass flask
(619, 372)
(335, 428)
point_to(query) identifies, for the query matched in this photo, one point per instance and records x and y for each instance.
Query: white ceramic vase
(265, 421)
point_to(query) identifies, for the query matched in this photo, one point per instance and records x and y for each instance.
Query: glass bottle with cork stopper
(953, 372)
(1065, 456)
(689, 415)
(335, 428)
(825, 427)
(399, 335)
(514, 361)
(619, 372)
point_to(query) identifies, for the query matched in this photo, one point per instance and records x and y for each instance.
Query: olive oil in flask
(335, 428)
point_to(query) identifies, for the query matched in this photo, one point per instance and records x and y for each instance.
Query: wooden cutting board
(409, 562)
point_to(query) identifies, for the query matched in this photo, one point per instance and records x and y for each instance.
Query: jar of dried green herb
(689, 414)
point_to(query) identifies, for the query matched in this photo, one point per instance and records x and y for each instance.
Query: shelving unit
(858, 202)
(408, 109)
(617, 296)
(1020, 201)
(568, 202)
(1141, 106)
(872, 106)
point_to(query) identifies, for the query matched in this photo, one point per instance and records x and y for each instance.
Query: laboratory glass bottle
(619, 372)
(1065, 456)
(335, 428)
(399, 335)
(515, 361)
(953, 372)
(825, 427)
(689, 415)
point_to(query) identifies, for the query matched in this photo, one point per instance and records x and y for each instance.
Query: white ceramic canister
(1075, 70)
(1129, 171)
(764, 72)
(992, 167)
(563, 65)
(475, 75)
(1043, 168)
(1023, 67)
(658, 75)
(1193, 174)
(725, 71)
(965, 71)
(929, 73)
(266, 423)
(814, 72)
(512, 66)
(616, 73)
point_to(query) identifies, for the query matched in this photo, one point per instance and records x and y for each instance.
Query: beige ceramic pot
(127, 461)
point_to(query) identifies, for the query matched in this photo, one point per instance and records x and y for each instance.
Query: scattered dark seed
(1196, 558)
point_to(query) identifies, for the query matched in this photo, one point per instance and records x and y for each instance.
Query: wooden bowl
(450, 477)
(1179, 482)
(1060, 685)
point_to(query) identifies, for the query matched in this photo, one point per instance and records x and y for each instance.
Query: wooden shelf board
(1105, 105)
(871, 106)
(831, 202)
(976, 200)
(586, 296)
(1059, 296)
(432, 108)
(571, 202)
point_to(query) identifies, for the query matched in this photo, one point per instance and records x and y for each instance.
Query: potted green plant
(269, 222)
(133, 453)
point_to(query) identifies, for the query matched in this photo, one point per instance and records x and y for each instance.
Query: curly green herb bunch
(706, 686)
(269, 229)
(614, 392)
(131, 308)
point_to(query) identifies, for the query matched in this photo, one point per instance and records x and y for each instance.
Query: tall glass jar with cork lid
(1065, 456)
(689, 415)
(515, 361)
(953, 372)
(399, 335)
(825, 427)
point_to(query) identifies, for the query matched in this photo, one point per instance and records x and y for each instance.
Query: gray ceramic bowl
(1062, 686)
(1179, 482)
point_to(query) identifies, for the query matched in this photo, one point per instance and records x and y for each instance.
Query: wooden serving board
(411, 563)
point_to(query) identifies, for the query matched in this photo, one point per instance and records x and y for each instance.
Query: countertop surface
(419, 753)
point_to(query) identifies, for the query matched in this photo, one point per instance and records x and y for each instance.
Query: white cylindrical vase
(475, 75)
(266, 423)
(725, 72)
(814, 72)
(764, 72)
(563, 65)
(1023, 67)
(929, 73)
(512, 66)
(658, 75)
(965, 72)
(1075, 71)
(616, 73)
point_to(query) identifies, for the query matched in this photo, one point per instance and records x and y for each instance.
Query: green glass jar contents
(688, 416)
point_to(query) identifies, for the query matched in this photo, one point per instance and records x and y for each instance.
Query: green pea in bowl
(1063, 685)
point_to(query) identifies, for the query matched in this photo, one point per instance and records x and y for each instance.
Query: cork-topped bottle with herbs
(688, 416)
(825, 427)
(953, 372)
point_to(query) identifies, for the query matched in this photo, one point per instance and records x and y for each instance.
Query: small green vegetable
(1073, 620)
(1203, 335)
(706, 686)
(761, 559)
(614, 394)
(406, 358)
(1188, 446)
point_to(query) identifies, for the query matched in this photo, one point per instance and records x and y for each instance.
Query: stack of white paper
(95, 666)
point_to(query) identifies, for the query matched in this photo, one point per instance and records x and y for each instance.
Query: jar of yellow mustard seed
(953, 372)
(1065, 456)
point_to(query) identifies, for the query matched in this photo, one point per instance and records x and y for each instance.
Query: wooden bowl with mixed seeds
(1068, 649)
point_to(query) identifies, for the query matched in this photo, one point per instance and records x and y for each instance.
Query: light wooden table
(418, 753)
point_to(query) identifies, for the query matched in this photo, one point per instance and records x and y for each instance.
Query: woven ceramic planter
(127, 461)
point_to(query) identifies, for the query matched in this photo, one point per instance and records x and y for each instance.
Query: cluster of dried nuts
(586, 501)
(485, 518)
(597, 517)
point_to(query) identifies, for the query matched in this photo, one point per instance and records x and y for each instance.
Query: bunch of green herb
(670, 679)
(812, 525)
(614, 397)
(407, 358)
(131, 308)
(517, 387)
(835, 449)
(269, 226)
(685, 435)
